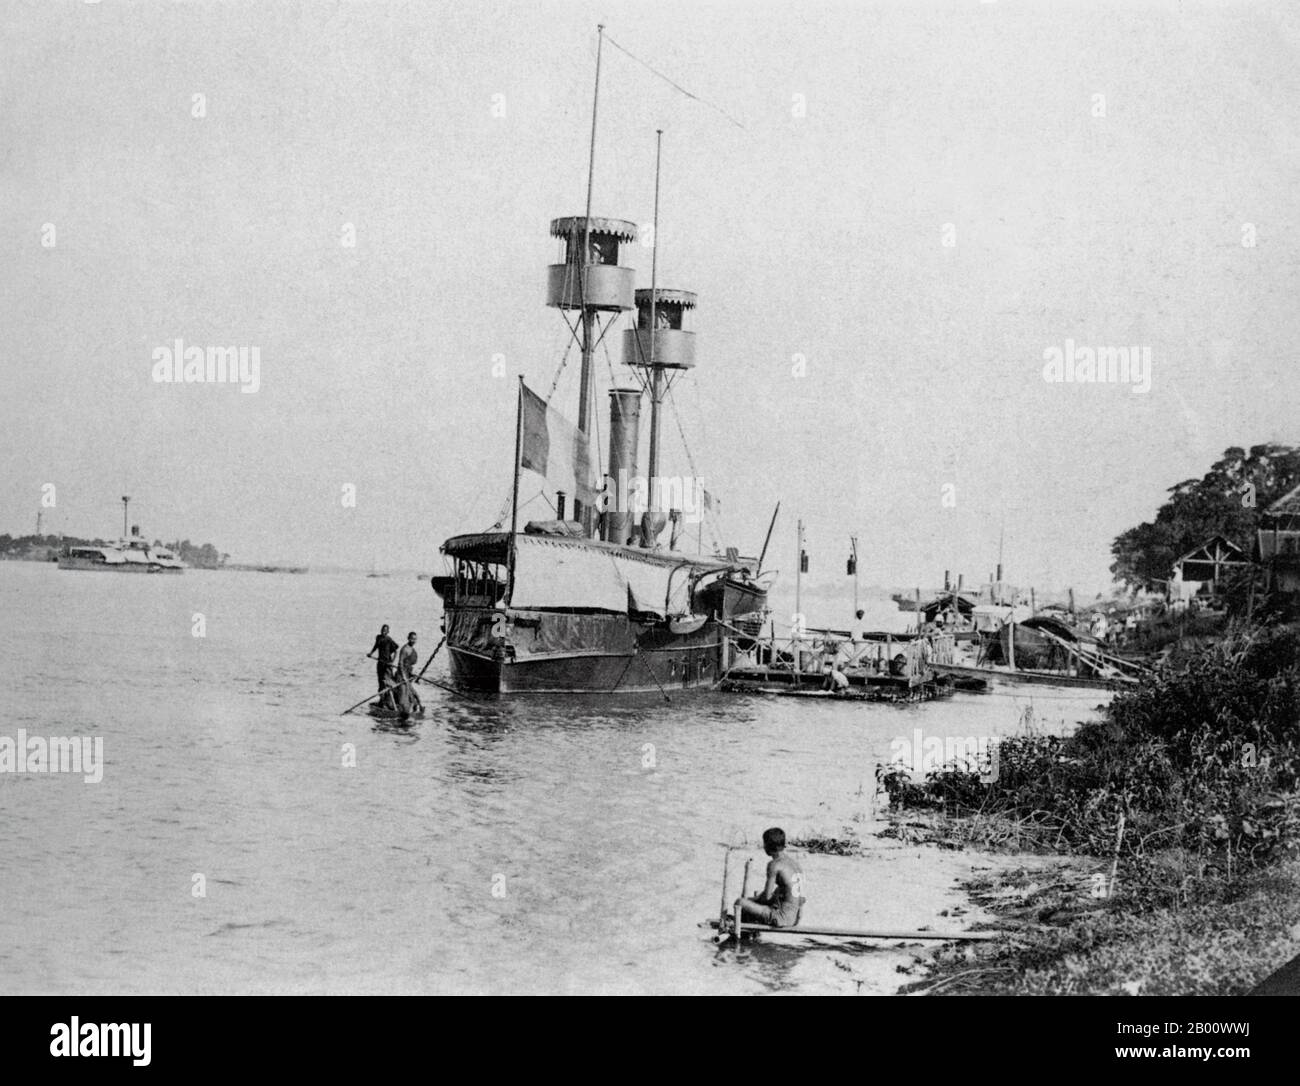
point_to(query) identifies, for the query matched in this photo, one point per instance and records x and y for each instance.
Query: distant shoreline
(254, 567)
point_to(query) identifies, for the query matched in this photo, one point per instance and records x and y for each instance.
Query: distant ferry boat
(132, 555)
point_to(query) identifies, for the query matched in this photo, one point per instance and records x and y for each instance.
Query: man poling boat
(407, 705)
(386, 648)
(403, 693)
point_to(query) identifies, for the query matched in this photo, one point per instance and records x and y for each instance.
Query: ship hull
(615, 655)
(114, 567)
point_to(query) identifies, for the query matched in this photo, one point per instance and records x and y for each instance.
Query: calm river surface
(537, 845)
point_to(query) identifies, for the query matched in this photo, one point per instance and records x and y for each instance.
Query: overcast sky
(872, 134)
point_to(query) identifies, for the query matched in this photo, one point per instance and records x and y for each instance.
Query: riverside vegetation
(1176, 821)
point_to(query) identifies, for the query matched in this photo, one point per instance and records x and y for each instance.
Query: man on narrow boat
(386, 647)
(408, 701)
(781, 900)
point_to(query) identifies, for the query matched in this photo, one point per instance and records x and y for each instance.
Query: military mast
(657, 345)
(590, 282)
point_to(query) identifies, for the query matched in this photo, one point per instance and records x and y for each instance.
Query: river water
(536, 845)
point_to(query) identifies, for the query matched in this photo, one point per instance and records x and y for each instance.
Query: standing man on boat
(408, 701)
(858, 631)
(782, 898)
(386, 647)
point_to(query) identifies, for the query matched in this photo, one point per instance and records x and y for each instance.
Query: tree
(1226, 501)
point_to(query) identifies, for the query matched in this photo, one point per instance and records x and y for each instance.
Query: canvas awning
(589, 575)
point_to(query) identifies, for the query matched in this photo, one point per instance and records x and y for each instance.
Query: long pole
(853, 542)
(726, 867)
(656, 374)
(768, 538)
(798, 579)
(1002, 532)
(514, 489)
(860, 933)
(588, 316)
(519, 442)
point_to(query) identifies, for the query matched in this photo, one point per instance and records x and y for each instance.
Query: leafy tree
(1226, 501)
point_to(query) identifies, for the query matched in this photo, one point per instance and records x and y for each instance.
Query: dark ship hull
(650, 644)
(655, 661)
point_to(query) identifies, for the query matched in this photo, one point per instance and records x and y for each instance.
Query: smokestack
(999, 571)
(675, 516)
(947, 584)
(624, 433)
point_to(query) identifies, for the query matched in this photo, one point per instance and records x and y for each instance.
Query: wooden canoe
(380, 713)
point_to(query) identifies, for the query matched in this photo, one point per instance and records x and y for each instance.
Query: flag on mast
(557, 450)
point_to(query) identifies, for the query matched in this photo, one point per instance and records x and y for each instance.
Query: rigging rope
(676, 86)
(563, 362)
(711, 522)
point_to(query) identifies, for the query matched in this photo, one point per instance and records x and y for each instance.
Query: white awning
(575, 573)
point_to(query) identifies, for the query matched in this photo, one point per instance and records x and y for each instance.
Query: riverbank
(1154, 852)
(1066, 941)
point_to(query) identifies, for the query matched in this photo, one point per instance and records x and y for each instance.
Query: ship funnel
(624, 435)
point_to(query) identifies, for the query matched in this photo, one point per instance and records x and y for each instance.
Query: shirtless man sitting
(782, 899)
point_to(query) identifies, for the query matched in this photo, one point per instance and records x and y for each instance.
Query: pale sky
(817, 230)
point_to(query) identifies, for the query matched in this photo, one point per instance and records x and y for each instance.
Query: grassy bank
(1178, 821)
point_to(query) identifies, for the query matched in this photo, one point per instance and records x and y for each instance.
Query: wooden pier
(878, 667)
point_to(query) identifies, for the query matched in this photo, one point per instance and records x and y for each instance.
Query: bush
(1204, 757)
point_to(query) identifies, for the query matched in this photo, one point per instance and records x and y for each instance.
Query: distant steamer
(130, 554)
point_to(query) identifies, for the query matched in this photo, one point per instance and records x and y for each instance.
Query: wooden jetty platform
(878, 666)
(1084, 666)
